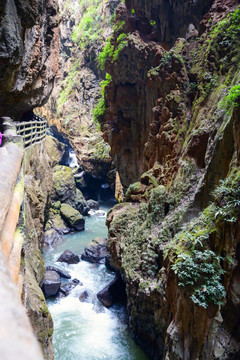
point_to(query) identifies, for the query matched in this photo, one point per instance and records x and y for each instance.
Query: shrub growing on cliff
(111, 51)
(197, 267)
(201, 272)
(100, 108)
(89, 26)
(232, 100)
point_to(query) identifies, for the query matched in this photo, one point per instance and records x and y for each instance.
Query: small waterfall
(72, 159)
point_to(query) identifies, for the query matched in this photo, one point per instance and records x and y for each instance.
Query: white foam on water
(87, 330)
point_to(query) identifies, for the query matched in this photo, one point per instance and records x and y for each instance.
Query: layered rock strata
(77, 87)
(39, 160)
(173, 127)
(28, 54)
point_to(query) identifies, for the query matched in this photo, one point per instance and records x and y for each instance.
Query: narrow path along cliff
(136, 103)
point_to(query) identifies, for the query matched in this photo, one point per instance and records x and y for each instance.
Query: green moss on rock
(72, 217)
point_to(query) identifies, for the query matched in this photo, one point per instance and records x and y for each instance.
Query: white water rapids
(87, 330)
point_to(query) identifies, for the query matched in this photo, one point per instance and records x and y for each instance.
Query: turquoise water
(87, 330)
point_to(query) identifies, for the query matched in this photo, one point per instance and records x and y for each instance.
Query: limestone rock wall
(175, 144)
(172, 17)
(77, 87)
(28, 54)
(39, 161)
(16, 335)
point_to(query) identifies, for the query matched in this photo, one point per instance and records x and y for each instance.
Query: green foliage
(111, 51)
(133, 11)
(201, 273)
(229, 26)
(227, 198)
(89, 27)
(152, 22)
(68, 84)
(232, 100)
(100, 108)
(196, 266)
(225, 37)
(101, 151)
(106, 52)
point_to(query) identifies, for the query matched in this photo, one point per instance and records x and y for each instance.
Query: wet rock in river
(51, 283)
(72, 217)
(69, 257)
(94, 205)
(62, 273)
(113, 293)
(85, 296)
(66, 288)
(96, 251)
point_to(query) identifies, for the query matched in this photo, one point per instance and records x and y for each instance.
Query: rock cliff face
(171, 119)
(38, 179)
(77, 88)
(29, 35)
(28, 54)
(172, 17)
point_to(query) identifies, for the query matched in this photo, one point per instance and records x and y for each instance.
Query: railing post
(33, 131)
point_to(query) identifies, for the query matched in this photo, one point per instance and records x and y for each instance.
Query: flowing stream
(87, 330)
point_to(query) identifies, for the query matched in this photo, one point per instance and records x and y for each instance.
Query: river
(87, 330)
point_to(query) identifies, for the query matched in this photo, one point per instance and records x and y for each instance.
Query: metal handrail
(33, 131)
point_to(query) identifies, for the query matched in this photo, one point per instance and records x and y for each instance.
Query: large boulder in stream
(78, 203)
(64, 186)
(65, 190)
(96, 251)
(114, 292)
(51, 283)
(72, 217)
(55, 222)
(69, 257)
(62, 273)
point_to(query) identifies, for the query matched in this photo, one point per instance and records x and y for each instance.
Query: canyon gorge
(142, 104)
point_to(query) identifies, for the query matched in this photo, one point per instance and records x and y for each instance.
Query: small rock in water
(96, 251)
(51, 283)
(94, 205)
(113, 293)
(76, 281)
(84, 296)
(62, 273)
(66, 288)
(69, 257)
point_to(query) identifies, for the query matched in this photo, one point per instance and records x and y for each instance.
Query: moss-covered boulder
(78, 202)
(65, 190)
(72, 217)
(55, 222)
(64, 186)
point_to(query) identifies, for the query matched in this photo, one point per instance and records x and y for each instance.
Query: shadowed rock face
(28, 54)
(172, 17)
(163, 118)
